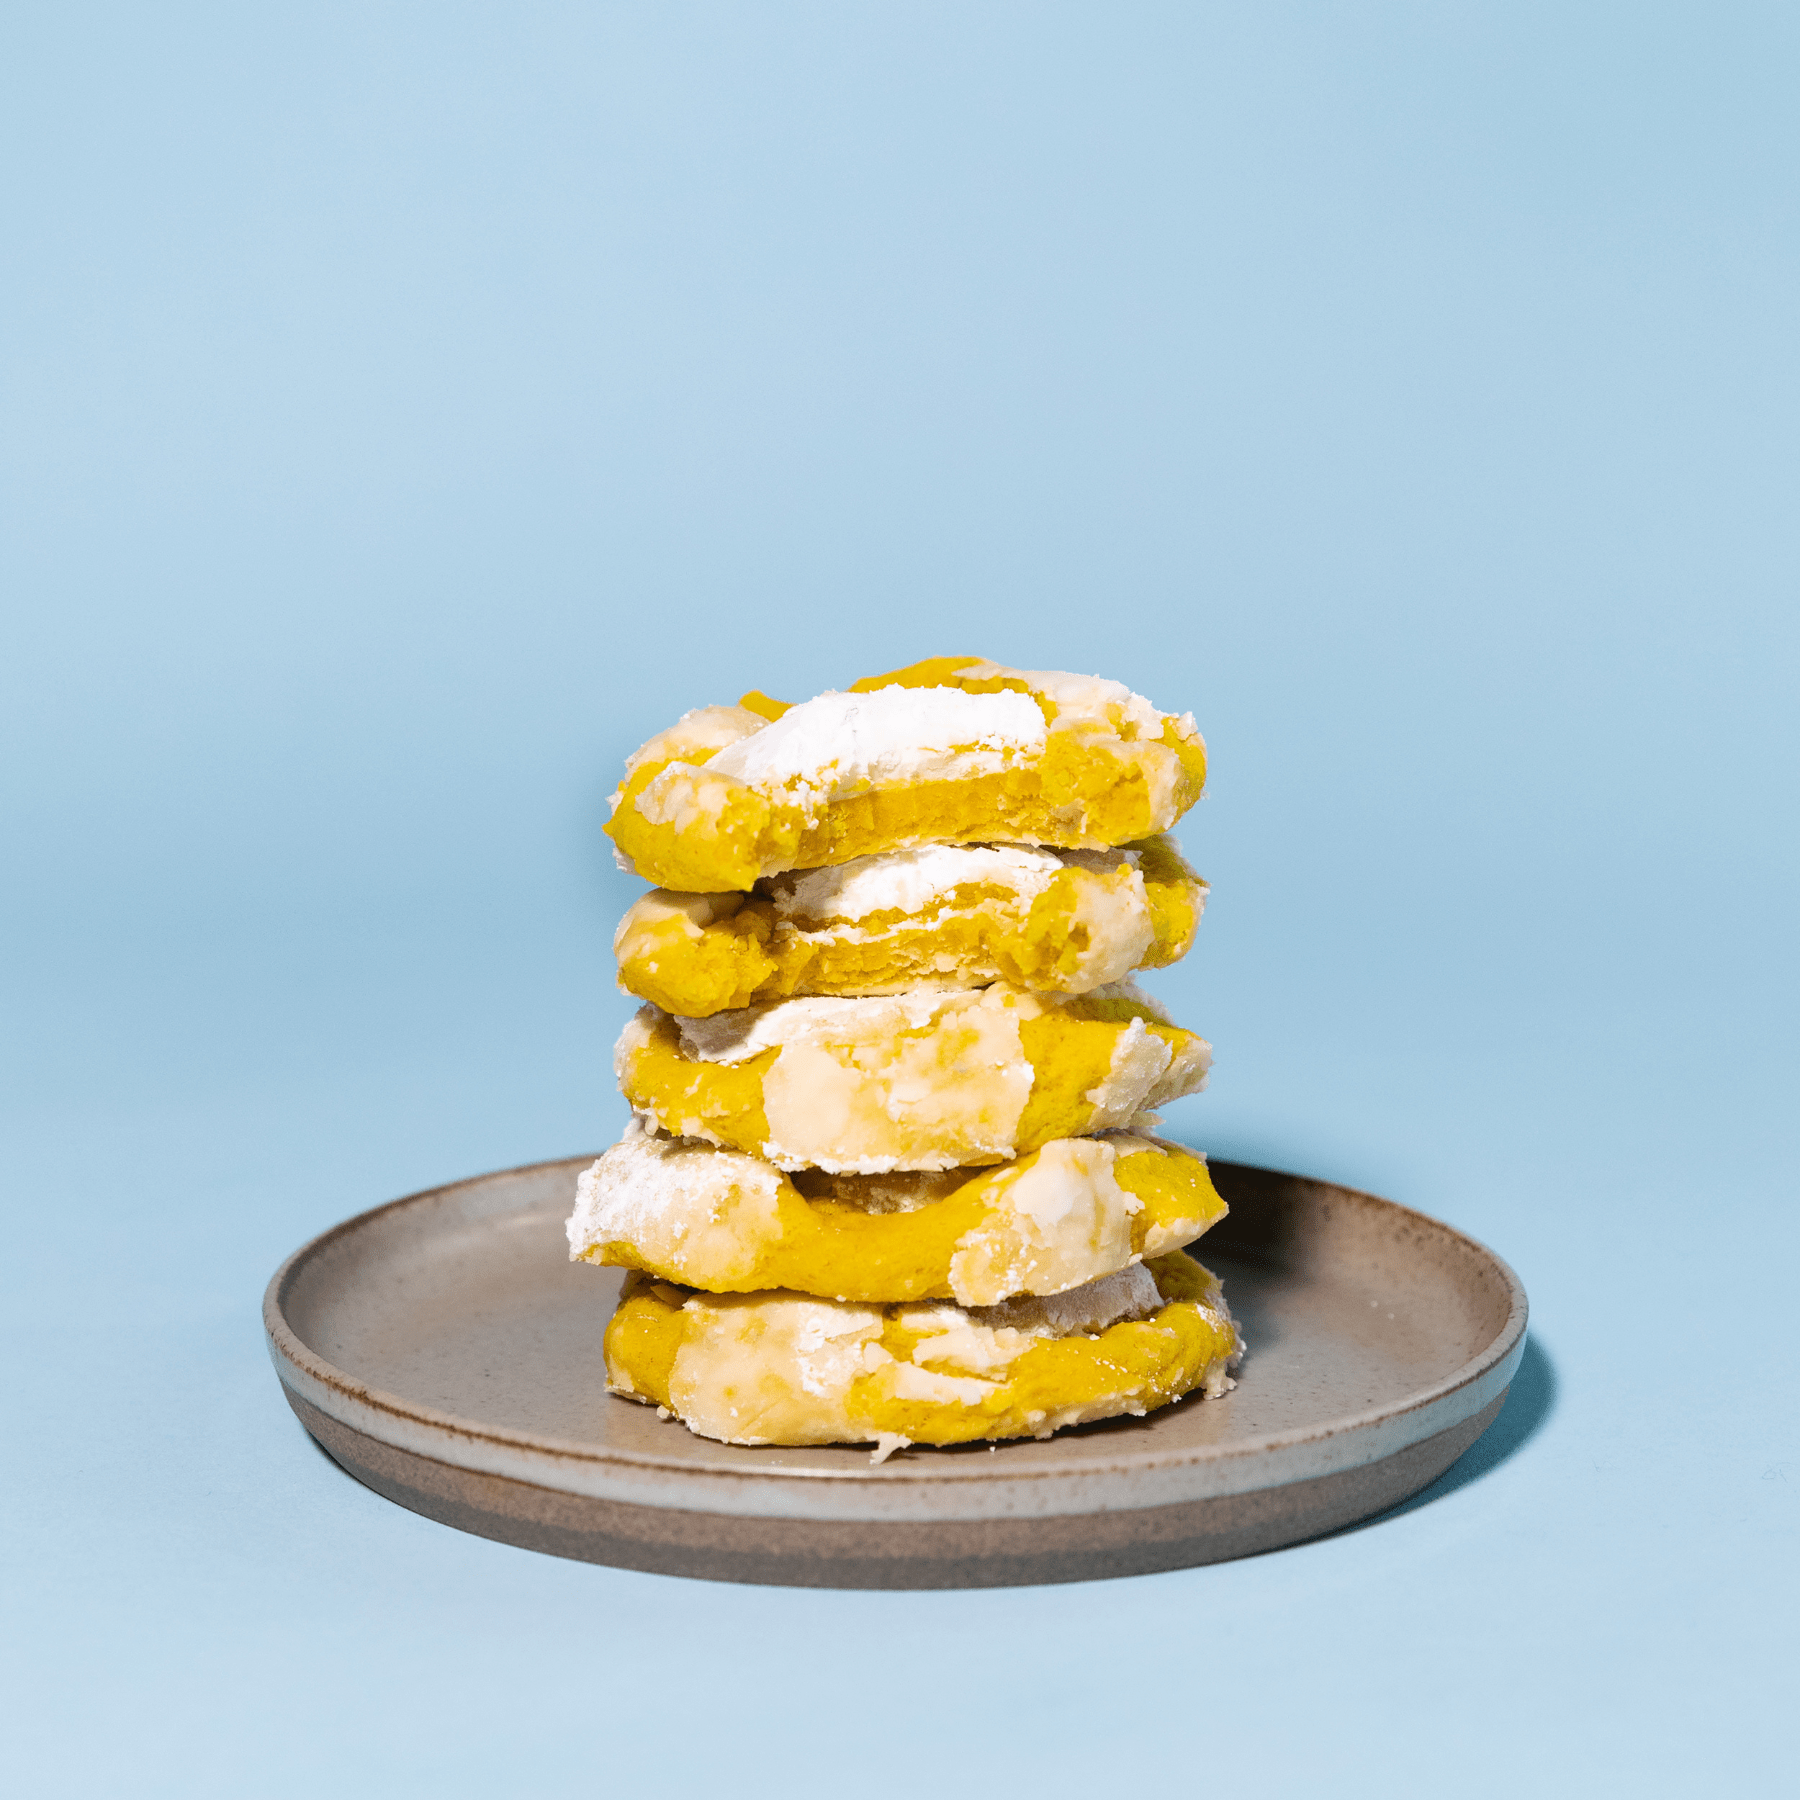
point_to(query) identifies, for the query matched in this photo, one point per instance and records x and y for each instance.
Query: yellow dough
(1056, 921)
(953, 750)
(922, 1080)
(1055, 1219)
(782, 1368)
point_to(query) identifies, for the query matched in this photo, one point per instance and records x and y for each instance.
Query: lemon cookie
(953, 750)
(1054, 1219)
(1058, 921)
(782, 1368)
(924, 1080)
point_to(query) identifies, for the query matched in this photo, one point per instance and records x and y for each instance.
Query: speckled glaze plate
(445, 1351)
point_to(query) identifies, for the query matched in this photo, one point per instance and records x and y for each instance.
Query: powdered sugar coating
(735, 1037)
(704, 729)
(840, 743)
(912, 881)
(1062, 1216)
(681, 1204)
(1081, 699)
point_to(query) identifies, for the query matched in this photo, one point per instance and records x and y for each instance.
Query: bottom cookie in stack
(787, 1368)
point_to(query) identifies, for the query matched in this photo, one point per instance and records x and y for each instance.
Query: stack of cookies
(891, 1176)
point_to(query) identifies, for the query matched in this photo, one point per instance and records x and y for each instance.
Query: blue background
(410, 408)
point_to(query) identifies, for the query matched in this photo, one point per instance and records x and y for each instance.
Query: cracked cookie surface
(1070, 1213)
(921, 1080)
(954, 750)
(782, 1368)
(1055, 921)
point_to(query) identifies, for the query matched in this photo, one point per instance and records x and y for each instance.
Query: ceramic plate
(446, 1352)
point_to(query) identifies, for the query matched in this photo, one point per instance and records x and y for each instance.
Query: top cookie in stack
(954, 750)
(891, 1059)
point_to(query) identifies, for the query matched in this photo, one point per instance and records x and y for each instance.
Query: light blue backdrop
(409, 408)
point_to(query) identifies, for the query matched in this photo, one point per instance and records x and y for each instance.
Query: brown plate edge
(891, 1554)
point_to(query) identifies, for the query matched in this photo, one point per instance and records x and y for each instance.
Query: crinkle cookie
(1056, 1218)
(947, 915)
(923, 1080)
(952, 750)
(781, 1368)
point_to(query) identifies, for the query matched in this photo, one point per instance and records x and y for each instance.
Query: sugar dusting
(911, 881)
(845, 742)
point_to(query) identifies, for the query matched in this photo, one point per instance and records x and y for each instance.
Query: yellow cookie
(782, 1368)
(953, 750)
(923, 1080)
(1056, 921)
(1058, 1217)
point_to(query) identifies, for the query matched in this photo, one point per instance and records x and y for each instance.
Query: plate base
(829, 1553)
